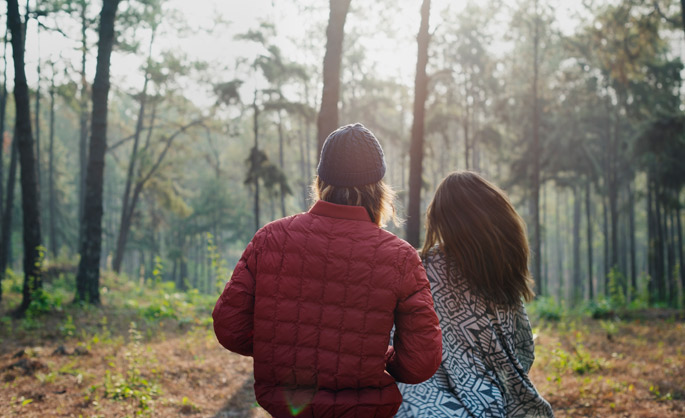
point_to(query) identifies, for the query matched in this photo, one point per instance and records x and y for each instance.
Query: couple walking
(315, 297)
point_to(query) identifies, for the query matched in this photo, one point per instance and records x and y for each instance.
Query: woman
(315, 295)
(476, 258)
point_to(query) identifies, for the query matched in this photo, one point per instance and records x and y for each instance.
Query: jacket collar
(333, 210)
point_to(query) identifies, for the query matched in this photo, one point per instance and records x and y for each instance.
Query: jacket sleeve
(234, 311)
(523, 339)
(417, 342)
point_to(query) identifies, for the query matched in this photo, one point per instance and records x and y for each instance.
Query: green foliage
(580, 361)
(68, 328)
(43, 302)
(546, 308)
(133, 384)
(221, 272)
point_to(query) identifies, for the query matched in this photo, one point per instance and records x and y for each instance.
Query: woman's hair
(478, 229)
(377, 198)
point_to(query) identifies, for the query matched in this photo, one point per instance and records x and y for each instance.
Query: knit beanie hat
(351, 156)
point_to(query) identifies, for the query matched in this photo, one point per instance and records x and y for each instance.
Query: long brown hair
(377, 198)
(478, 229)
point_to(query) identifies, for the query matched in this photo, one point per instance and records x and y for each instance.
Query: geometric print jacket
(487, 353)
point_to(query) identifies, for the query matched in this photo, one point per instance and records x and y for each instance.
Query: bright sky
(388, 57)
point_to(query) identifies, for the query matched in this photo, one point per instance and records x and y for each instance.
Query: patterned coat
(313, 300)
(487, 353)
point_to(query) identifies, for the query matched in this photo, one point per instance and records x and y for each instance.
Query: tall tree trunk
(680, 243)
(535, 195)
(88, 277)
(560, 250)
(51, 173)
(6, 242)
(651, 238)
(588, 216)
(37, 120)
(255, 128)
(659, 253)
(327, 121)
(303, 164)
(83, 119)
(29, 183)
(416, 148)
(577, 291)
(605, 228)
(125, 207)
(3, 108)
(631, 238)
(281, 162)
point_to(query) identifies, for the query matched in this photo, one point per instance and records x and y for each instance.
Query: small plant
(610, 328)
(218, 264)
(68, 329)
(547, 308)
(133, 385)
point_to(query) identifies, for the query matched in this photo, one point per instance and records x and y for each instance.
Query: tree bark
(680, 242)
(536, 157)
(88, 277)
(327, 120)
(417, 129)
(588, 216)
(37, 120)
(52, 201)
(633, 252)
(255, 128)
(83, 119)
(281, 162)
(651, 238)
(605, 226)
(577, 292)
(124, 222)
(27, 160)
(6, 242)
(3, 108)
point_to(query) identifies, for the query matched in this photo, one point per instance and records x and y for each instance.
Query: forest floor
(153, 353)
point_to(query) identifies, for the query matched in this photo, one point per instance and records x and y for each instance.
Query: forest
(144, 142)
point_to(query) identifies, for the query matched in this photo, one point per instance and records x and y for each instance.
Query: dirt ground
(99, 367)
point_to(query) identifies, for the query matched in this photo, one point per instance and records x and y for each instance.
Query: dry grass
(174, 367)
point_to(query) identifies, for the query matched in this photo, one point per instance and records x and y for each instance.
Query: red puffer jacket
(313, 300)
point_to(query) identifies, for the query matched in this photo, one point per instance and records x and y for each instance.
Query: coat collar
(333, 210)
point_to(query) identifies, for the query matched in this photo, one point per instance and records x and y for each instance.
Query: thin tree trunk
(281, 162)
(6, 242)
(29, 181)
(327, 121)
(672, 282)
(545, 245)
(536, 156)
(88, 277)
(417, 130)
(631, 227)
(605, 226)
(651, 238)
(254, 162)
(680, 242)
(37, 120)
(560, 251)
(83, 119)
(577, 291)
(3, 108)
(125, 209)
(51, 173)
(659, 253)
(588, 216)
(303, 164)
